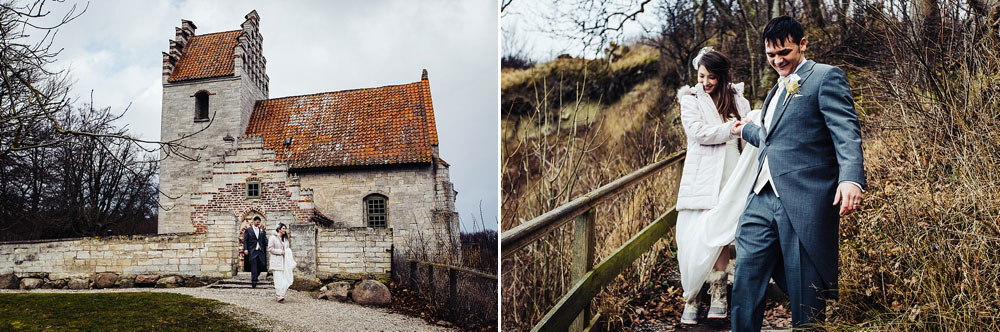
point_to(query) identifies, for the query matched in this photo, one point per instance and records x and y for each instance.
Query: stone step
(241, 284)
(259, 286)
(246, 276)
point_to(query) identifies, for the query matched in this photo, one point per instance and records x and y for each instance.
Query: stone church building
(360, 162)
(355, 175)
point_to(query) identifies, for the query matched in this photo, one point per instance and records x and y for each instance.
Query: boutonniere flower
(791, 86)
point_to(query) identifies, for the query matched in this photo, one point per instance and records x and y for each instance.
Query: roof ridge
(215, 33)
(348, 90)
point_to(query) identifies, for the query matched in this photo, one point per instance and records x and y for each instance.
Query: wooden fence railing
(572, 310)
(452, 278)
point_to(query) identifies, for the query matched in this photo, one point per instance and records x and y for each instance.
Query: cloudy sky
(115, 48)
(543, 29)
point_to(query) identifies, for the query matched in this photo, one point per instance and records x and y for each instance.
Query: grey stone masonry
(349, 253)
(206, 254)
(420, 204)
(231, 100)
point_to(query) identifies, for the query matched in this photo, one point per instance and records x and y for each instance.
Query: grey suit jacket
(814, 143)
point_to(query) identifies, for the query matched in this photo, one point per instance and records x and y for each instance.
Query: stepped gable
(204, 56)
(363, 127)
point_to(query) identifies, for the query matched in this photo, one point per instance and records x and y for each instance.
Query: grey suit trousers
(767, 247)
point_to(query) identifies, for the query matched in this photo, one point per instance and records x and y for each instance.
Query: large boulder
(31, 283)
(78, 284)
(56, 284)
(106, 280)
(324, 295)
(9, 281)
(146, 279)
(169, 282)
(371, 292)
(127, 283)
(306, 285)
(340, 290)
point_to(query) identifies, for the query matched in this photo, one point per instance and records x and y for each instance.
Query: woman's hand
(737, 129)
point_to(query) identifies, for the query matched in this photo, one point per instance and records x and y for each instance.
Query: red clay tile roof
(205, 56)
(375, 126)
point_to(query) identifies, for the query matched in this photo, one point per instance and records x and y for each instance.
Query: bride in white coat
(708, 113)
(281, 261)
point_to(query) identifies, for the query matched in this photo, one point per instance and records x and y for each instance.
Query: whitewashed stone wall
(348, 253)
(343, 253)
(420, 210)
(207, 254)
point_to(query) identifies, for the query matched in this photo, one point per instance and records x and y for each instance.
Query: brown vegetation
(921, 255)
(575, 140)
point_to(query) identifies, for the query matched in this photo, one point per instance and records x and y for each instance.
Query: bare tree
(65, 169)
(32, 95)
(595, 23)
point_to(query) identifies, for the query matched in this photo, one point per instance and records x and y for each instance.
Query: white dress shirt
(765, 170)
(257, 234)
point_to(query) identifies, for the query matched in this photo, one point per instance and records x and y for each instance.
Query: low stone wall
(349, 253)
(338, 253)
(208, 254)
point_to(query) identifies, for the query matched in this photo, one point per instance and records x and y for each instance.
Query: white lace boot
(717, 288)
(690, 315)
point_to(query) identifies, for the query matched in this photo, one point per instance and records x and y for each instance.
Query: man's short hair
(256, 218)
(779, 28)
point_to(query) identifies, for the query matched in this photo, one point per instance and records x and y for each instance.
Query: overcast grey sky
(115, 49)
(543, 29)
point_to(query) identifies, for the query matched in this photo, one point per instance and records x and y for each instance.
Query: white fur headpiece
(697, 58)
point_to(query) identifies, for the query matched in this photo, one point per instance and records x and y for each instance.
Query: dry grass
(560, 157)
(475, 308)
(925, 252)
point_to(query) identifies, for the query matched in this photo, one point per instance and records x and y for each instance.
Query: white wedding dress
(702, 236)
(283, 278)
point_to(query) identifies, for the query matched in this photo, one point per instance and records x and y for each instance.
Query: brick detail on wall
(281, 197)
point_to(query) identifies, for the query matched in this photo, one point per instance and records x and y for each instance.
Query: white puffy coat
(276, 249)
(707, 135)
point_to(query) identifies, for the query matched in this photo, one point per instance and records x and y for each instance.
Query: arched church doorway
(245, 222)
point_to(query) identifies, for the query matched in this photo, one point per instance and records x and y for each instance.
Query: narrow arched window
(375, 210)
(201, 106)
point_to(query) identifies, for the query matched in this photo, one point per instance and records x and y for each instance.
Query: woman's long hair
(283, 236)
(719, 65)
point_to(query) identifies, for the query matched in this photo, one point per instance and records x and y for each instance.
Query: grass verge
(114, 312)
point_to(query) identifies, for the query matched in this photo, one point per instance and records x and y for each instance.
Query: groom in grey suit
(811, 173)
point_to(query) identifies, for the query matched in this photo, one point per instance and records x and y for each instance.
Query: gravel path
(299, 312)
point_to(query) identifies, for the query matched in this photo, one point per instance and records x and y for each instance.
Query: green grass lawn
(114, 312)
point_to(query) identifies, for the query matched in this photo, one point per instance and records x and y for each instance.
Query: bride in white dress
(282, 261)
(708, 112)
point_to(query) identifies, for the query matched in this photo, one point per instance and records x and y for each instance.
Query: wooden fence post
(430, 278)
(413, 276)
(452, 290)
(583, 259)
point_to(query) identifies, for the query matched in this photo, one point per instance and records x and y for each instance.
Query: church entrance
(245, 222)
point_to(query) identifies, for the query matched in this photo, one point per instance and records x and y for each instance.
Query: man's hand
(849, 195)
(737, 128)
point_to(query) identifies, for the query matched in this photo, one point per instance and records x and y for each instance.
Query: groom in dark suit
(811, 173)
(255, 247)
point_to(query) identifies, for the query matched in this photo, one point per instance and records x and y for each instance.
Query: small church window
(375, 210)
(253, 189)
(201, 106)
